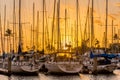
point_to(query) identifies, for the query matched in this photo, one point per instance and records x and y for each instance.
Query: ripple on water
(3, 77)
(99, 77)
(17, 77)
(42, 76)
(58, 77)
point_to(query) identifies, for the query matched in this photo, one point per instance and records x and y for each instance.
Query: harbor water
(42, 76)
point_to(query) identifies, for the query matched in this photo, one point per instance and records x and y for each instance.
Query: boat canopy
(105, 55)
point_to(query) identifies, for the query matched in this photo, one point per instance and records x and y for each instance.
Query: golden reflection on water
(116, 72)
(84, 77)
(3, 77)
(42, 77)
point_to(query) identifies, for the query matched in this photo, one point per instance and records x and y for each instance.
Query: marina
(59, 40)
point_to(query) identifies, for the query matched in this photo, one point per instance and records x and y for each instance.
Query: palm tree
(8, 34)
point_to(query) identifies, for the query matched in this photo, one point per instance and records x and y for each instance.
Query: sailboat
(8, 65)
(33, 65)
(97, 60)
(19, 63)
(56, 64)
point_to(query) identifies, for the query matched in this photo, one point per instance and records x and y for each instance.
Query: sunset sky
(99, 15)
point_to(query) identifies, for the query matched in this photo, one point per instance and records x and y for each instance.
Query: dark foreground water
(42, 76)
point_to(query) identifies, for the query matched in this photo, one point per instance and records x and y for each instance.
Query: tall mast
(58, 24)
(106, 24)
(43, 24)
(1, 35)
(77, 2)
(53, 26)
(37, 32)
(13, 23)
(87, 23)
(46, 28)
(65, 23)
(14, 28)
(33, 22)
(92, 24)
(20, 30)
(4, 24)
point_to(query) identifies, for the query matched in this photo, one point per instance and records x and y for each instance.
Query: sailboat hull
(63, 67)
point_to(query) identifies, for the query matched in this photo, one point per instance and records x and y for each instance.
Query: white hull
(31, 69)
(21, 67)
(16, 69)
(109, 68)
(63, 67)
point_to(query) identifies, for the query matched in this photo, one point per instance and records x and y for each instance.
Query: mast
(4, 25)
(13, 23)
(43, 25)
(77, 2)
(58, 25)
(20, 30)
(87, 23)
(106, 24)
(53, 26)
(92, 24)
(65, 21)
(14, 28)
(37, 32)
(46, 29)
(33, 22)
(1, 35)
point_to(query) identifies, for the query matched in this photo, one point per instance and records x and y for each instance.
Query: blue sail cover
(110, 56)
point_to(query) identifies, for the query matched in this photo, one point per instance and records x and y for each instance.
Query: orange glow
(27, 15)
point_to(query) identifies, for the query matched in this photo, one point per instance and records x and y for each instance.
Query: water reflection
(3, 77)
(99, 77)
(18, 77)
(42, 76)
(58, 77)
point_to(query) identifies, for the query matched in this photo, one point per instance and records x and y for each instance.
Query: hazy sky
(99, 12)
